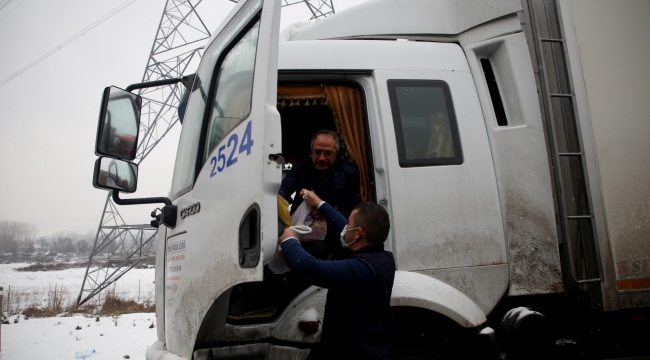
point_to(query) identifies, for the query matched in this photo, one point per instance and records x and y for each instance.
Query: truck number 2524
(219, 162)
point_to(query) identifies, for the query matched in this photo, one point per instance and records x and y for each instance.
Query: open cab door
(225, 178)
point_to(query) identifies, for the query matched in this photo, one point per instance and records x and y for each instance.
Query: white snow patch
(487, 331)
(31, 287)
(561, 342)
(287, 33)
(309, 315)
(519, 313)
(57, 337)
(524, 312)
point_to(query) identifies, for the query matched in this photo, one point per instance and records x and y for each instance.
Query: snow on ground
(57, 337)
(136, 284)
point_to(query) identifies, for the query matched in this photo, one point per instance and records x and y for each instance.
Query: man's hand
(310, 198)
(288, 233)
(315, 214)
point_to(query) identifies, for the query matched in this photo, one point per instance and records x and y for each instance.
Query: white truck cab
(436, 103)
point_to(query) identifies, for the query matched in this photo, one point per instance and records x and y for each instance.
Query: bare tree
(64, 242)
(43, 244)
(13, 234)
(28, 247)
(83, 246)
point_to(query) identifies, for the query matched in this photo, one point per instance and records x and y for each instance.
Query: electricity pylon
(318, 8)
(176, 51)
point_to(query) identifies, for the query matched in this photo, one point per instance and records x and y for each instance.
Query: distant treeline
(18, 236)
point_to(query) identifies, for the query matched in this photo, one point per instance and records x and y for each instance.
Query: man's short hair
(373, 218)
(325, 132)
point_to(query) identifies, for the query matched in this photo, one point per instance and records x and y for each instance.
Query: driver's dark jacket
(358, 321)
(339, 188)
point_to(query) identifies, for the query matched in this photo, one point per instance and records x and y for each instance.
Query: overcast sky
(48, 113)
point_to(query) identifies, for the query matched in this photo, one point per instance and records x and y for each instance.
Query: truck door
(443, 191)
(225, 181)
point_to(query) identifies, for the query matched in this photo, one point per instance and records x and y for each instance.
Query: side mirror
(113, 174)
(119, 121)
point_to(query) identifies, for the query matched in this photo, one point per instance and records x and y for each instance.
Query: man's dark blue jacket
(358, 322)
(339, 188)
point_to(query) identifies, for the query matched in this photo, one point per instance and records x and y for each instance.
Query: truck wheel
(525, 334)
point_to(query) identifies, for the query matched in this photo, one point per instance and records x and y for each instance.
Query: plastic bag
(302, 216)
(278, 265)
(306, 228)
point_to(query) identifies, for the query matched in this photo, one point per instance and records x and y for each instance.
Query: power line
(68, 41)
(12, 10)
(3, 4)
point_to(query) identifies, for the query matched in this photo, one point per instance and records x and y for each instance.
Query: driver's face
(323, 154)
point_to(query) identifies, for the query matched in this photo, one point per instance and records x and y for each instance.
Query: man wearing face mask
(358, 322)
(333, 179)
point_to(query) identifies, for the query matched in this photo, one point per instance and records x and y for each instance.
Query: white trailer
(505, 139)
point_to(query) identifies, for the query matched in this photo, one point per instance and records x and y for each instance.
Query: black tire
(526, 336)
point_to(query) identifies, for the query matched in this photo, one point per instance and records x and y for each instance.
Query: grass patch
(55, 302)
(34, 312)
(113, 306)
(51, 266)
(116, 305)
(60, 300)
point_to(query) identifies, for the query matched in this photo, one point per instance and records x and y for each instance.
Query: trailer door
(225, 181)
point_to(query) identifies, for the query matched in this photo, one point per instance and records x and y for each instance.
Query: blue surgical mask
(343, 243)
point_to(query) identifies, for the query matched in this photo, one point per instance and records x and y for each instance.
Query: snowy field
(137, 284)
(75, 336)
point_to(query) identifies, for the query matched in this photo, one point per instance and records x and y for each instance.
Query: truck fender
(421, 291)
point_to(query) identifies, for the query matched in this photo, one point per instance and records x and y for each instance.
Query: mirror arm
(149, 84)
(152, 200)
(168, 214)
(187, 82)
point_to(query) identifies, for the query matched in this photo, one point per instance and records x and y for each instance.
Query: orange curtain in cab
(347, 106)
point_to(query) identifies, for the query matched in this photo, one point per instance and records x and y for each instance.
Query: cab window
(425, 123)
(232, 94)
(191, 148)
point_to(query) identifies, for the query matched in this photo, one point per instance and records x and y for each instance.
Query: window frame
(193, 145)
(392, 85)
(201, 156)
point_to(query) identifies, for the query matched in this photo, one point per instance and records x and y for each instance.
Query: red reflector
(308, 327)
(637, 317)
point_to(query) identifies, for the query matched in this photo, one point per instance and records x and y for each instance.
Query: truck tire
(525, 334)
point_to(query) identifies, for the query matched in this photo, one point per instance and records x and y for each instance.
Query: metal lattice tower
(318, 8)
(176, 51)
(123, 246)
